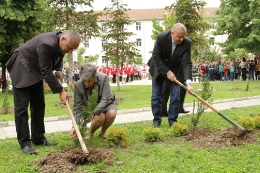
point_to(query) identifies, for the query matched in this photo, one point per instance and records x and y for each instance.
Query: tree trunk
(4, 79)
(70, 79)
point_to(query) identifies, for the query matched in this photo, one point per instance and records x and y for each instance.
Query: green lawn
(171, 155)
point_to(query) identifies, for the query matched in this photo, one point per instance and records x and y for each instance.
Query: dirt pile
(68, 159)
(221, 138)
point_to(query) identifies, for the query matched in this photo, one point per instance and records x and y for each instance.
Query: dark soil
(9, 111)
(235, 89)
(201, 138)
(68, 159)
(119, 101)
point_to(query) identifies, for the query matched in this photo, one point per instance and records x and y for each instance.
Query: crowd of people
(230, 70)
(127, 72)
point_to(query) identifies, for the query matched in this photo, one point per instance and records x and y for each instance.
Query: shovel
(81, 141)
(211, 107)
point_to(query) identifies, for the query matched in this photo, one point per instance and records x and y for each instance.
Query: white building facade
(142, 29)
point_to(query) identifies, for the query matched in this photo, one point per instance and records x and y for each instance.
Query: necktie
(173, 47)
(57, 60)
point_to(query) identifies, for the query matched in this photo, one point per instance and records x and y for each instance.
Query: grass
(171, 155)
(139, 96)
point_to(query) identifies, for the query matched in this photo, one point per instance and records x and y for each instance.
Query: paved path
(61, 124)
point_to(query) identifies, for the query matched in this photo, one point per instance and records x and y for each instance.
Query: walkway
(64, 124)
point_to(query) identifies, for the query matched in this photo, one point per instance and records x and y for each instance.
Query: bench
(196, 77)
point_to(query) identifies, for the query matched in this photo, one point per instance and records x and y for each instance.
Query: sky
(146, 4)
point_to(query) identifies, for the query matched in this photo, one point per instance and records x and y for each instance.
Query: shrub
(178, 129)
(117, 137)
(152, 134)
(257, 121)
(247, 122)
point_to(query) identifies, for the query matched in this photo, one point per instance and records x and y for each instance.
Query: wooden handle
(81, 141)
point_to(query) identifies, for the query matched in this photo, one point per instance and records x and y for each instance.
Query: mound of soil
(68, 159)
(119, 101)
(9, 111)
(235, 89)
(201, 138)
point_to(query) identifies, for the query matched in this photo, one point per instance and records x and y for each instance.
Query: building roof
(147, 14)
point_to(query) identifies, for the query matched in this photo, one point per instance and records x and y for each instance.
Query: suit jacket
(35, 60)
(162, 61)
(106, 98)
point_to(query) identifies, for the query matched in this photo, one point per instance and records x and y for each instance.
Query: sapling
(205, 93)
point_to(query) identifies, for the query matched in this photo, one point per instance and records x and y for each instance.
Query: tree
(239, 19)
(118, 48)
(167, 25)
(66, 17)
(20, 21)
(189, 13)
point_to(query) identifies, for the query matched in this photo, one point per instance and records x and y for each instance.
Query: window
(103, 27)
(139, 42)
(104, 42)
(104, 59)
(86, 56)
(120, 41)
(138, 26)
(86, 43)
(211, 40)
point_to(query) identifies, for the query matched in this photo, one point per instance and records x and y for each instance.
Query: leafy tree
(118, 48)
(240, 20)
(66, 17)
(166, 25)
(20, 21)
(238, 53)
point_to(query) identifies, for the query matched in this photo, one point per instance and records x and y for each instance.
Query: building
(142, 29)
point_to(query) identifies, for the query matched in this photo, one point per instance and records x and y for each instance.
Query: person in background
(76, 73)
(114, 71)
(231, 71)
(105, 111)
(221, 70)
(244, 66)
(257, 71)
(28, 65)
(252, 70)
(171, 59)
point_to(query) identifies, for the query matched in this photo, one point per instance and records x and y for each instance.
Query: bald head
(178, 26)
(178, 33)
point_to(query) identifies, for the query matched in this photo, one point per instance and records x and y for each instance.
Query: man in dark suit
(28, 65)
(171, 59)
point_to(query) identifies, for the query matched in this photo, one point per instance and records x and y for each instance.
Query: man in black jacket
(171, 59)
(28, 65)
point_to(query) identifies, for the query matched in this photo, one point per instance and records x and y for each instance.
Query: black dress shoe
(155, 125)
(28, 150)
(45, 142)
(184, 112)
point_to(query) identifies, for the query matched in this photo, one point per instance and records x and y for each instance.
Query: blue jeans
(156, 101)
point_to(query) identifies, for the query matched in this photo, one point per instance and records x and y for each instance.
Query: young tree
(20, 21)
(118, 48)
(65, 16)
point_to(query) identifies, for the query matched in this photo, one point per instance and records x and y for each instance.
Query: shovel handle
(211, 107)
(81, 141)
